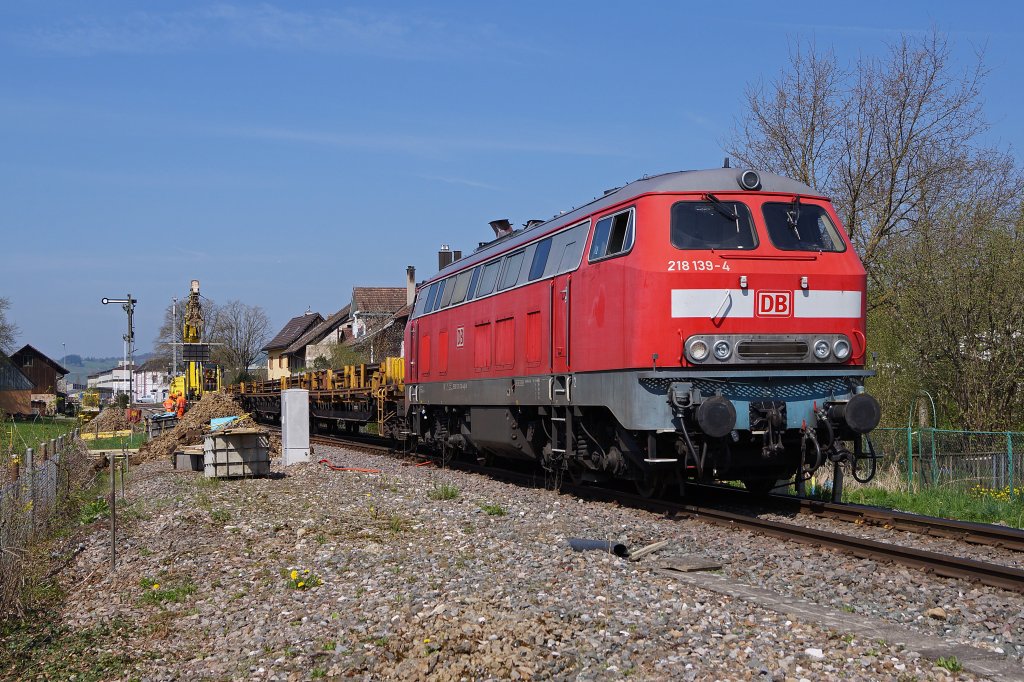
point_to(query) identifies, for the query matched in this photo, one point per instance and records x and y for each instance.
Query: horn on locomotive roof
(501, 227)
(533, 221)
(726, 164)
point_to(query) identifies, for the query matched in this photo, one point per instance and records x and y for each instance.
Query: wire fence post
(30, 465)
(910, 458)
(113, 512)
(1009, 463)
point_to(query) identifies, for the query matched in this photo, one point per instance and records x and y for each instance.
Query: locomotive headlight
(699, 350)
(723, 350)
(821, 349)
(841, 349)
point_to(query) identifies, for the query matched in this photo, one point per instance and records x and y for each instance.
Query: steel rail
(1003, 537)
(994, 575)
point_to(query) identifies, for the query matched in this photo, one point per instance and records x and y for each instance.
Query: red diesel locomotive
(698, 325)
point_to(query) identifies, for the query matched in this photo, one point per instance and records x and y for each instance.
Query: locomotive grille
(758, 389)
(772, 350)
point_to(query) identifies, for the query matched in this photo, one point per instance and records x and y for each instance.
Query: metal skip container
(236, 453)
(294, 426)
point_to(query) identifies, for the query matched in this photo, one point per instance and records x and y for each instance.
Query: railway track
(994, 575)
(1003, 537)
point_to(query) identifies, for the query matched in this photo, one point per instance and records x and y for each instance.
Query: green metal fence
(929, 457)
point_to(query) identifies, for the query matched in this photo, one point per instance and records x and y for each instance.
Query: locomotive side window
(422, 301)
(437, 296)
(427, 304)
(510, 274)
(472, 283)
(461, 286)
(554, 255)
(449, 289)
(796, 227)
(613, 235)
(540, 259)
(488, 278)
(712, 224)
(567, 249)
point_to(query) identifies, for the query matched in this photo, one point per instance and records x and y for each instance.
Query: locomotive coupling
(716, 416)
(860, 414)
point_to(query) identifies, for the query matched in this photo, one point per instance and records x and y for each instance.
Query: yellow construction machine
(201, 376)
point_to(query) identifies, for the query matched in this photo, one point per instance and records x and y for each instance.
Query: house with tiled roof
(44, 373)
(279, 362)
(319, 340)
(386, 339)
(372, 306)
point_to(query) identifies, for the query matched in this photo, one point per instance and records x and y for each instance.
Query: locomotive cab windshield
(801, 227)
(712, 224)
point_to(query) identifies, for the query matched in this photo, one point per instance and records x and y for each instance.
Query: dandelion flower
(302, 583)
(306, 571)
(426, 641)
(295, 574)
(156, 586)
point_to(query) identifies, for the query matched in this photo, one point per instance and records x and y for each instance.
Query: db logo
(774, 303)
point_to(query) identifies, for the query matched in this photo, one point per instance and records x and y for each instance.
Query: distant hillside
(80, 373)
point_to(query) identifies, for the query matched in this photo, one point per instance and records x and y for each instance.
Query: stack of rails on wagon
(697, 325)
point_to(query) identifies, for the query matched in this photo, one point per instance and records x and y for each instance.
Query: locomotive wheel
(650, 486)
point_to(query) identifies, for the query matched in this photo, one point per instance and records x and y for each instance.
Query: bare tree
(896, 142)
(242, 330)
(168, 335)
(8, 330)
(887, 140)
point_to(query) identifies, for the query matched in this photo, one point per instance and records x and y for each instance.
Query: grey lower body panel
(639, 399)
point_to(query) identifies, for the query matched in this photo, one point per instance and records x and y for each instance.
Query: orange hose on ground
(332, 467)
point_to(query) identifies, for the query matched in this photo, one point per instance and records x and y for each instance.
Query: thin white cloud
(262, 26)
(459, 181)
(419, 143)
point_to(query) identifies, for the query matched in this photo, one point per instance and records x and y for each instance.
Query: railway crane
(201, 375)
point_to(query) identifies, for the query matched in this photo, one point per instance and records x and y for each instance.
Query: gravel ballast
(480, 586)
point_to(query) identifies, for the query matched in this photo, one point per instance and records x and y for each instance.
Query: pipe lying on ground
(584, 545)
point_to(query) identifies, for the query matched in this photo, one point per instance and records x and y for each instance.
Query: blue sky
(283, 153)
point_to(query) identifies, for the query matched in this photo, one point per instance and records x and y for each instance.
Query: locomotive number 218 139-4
(696, 265)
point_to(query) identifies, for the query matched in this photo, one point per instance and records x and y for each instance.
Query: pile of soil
(196, 423)
(110, 419)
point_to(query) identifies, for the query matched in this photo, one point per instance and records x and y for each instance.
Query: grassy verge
(37, 645)
(45, 649)
(977, 504)
(132, 442)
(20, 435)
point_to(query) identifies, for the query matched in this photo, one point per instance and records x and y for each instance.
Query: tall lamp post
(128, 304)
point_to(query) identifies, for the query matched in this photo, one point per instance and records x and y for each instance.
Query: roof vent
(613, 189)
(533, 222)
(501, 227)
(749, 180)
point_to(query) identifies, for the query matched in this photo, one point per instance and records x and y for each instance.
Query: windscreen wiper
(720, 206)
(793, 216)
